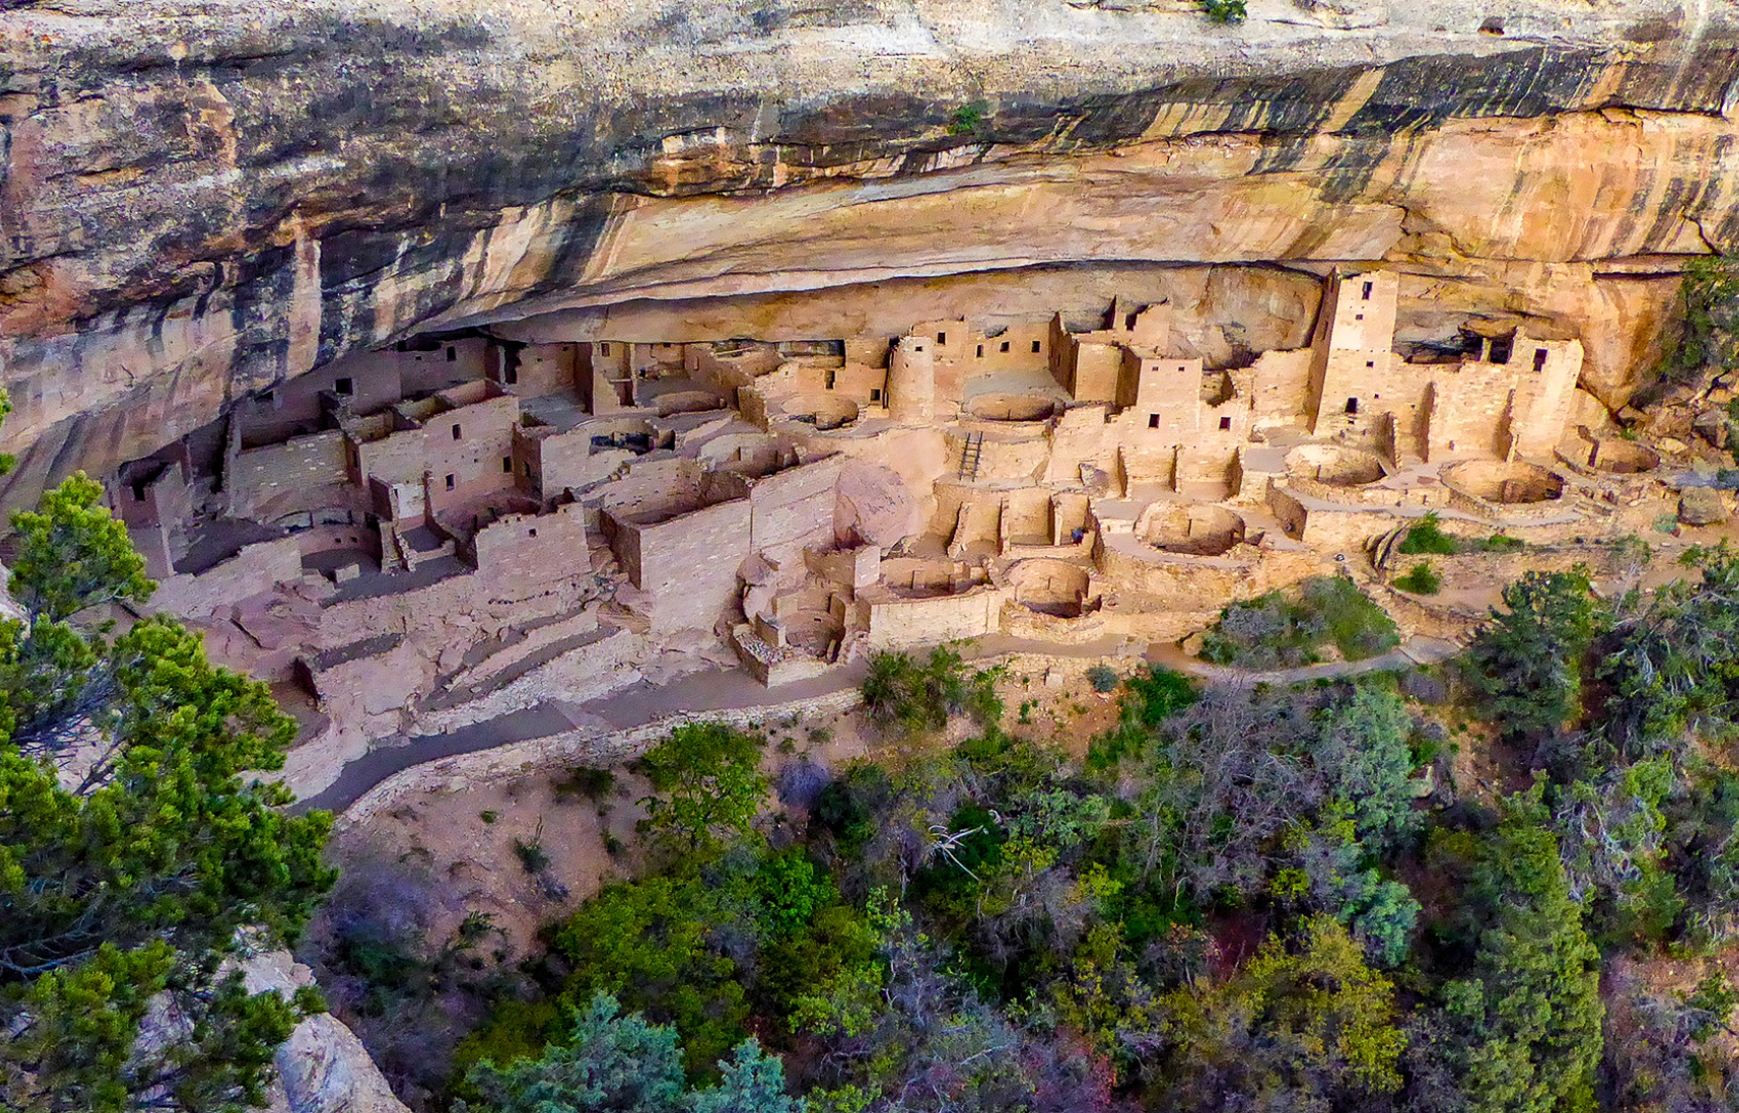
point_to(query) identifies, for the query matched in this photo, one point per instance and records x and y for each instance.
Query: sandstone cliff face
(201, 197)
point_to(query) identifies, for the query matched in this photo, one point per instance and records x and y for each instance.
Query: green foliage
(1363, 752)
(1273, 631)
(1103, 678)
(128, 868)
(1421, 579)
(1526, 663)
(70, 554)
(917, 697)
(1710, 338)
(1426, 536)
(1500, 543)
(625, 1065)
(648, 944)
(1674, 664)
(1311, 1025)
(711, 780)
(585, 782)
(1527, 1019)
(1225, 11)
(970, 119)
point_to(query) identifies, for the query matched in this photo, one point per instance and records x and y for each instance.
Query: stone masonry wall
(252, 571)
(263, 476)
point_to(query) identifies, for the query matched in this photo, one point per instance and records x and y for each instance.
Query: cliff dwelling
(796, 505)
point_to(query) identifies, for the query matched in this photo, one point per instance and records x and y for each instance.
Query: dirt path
(732, 689)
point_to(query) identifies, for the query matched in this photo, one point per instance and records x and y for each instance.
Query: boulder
(1702, 506)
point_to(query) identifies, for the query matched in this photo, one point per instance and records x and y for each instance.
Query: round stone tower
(912, 381)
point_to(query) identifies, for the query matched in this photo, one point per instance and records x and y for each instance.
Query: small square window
(1370, 363)
(455, 432)
(1225, 423)
(449, 481)
(533, 531)
(875, 396)
(344, 386)
(1036, 347)
(1358, 316)
(1005, 345)
(1153, 421)
(507, 464)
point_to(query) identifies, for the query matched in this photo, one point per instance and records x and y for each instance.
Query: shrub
(532, 856)
(582, 781)
(1225, 11)
(920, 697)
(1500, 543)
(1421, 579)
(1104, 678)
(1666, 523)
(968, 119)
(1427, 536)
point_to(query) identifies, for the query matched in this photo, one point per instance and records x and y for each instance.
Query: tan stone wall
(263, 477)
(475, 457)
(521, 551)
(252, 571)
(900, 622)
(687, 564)
(794, 504)
(1467, 413)
(1280, 384)
(1097, 369)
(545, 369)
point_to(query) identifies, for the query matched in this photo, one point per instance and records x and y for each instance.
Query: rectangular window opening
(980, 351)
(449, 481)
(604, 349)
(452, 354)
(1225, 423)
(455, 432)
(875, 395)
(1539, 359)
(830, 379)
(1358, 316)
(1153, 421)
(1352, 405)
(1005, 345)
(533, 531)
(267, 397)
(1036, 347)
(1367, 293)
(1370, 363)
(507, 464)
(941, 338)
(344, 386)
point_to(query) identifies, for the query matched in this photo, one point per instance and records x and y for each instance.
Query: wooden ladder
(969, 454)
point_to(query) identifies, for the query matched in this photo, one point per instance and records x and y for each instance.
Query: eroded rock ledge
(202, 198)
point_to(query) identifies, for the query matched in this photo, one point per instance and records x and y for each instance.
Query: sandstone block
(1702, 506)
